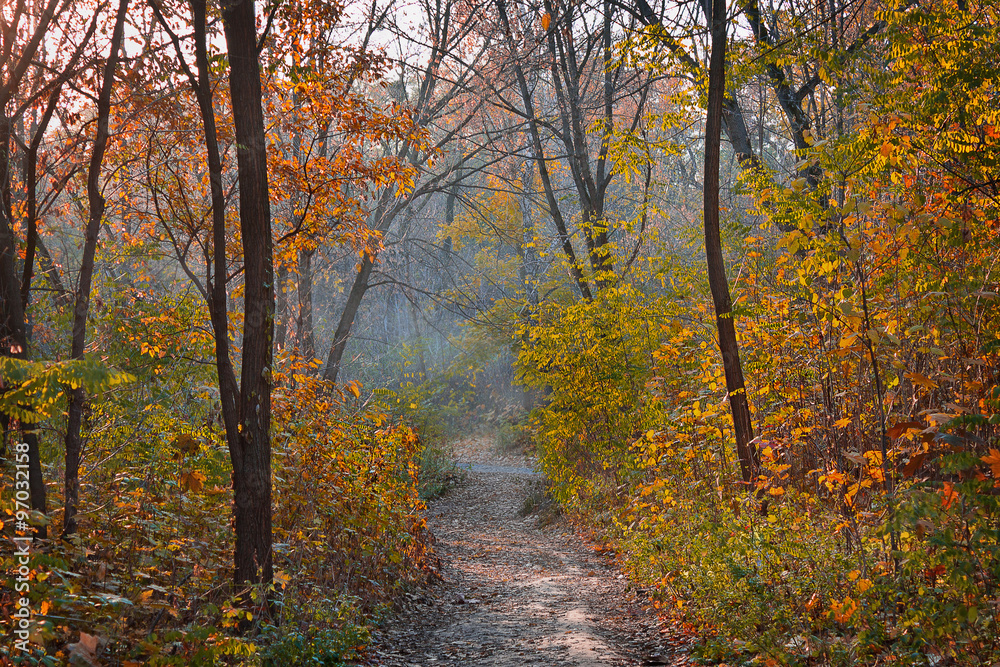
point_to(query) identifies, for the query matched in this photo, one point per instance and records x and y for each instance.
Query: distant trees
(38, 60)
(443, 96)
(95, 215)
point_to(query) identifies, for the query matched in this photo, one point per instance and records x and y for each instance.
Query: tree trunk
(14, 329)
(384, 215)
(346, 323)
(528, 269)
(742, 424)
(733, 119)
(74, 444)
(13, 335)
(304, 322)
(543, 168)
(252, 461)
(62, 296)
(31, 213)
(229, 391)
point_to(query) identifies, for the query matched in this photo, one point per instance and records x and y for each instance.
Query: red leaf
(899, 429)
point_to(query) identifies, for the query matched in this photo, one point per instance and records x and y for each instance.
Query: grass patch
(438, 472)
(540, 502)
(513, 438)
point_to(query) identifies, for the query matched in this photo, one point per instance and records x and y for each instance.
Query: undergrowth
(438, 471)
(833, 554)
(147, 579)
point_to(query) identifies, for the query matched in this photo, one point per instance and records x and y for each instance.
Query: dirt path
(519, 590)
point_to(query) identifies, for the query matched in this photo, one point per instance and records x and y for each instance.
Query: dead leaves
(84, 652)
(192, 480)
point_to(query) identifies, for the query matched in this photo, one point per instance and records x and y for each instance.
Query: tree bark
(304, 322)
(347, 318)
(13, 336)
(252, 458)
(74, 443)
(742, 424)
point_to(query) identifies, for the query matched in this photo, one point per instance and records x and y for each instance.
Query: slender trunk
(14, 294)
(30, 177)
(346, 323)
(62, 295)
(304, 321)
(13, 332)
(543, 169)
(528, 270)
(252, 466)
(31, 185)
(36, 483)
(229, 391)
(743, 426)
(13, 335)
(384, 215)
(74, 443)
(444, 253)
(415, 324)
(734, 122)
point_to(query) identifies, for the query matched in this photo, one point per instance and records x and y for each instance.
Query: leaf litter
(519, 585)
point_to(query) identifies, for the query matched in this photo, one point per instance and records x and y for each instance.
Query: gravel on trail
(519, 589)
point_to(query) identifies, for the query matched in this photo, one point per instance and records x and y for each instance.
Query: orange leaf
(546, 20)
(899, 429)
(948, 495)
(993, 460)
(922, 380)
(914, 464)
(192, 480)
(843, 611)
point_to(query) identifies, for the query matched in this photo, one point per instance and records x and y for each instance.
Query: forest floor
(520, 587)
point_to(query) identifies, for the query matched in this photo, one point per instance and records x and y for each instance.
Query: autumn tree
(735, 385)
(443, 96)
(578, 73)
(331, 124)
(96, 206)
(245, 404)
(38, 63)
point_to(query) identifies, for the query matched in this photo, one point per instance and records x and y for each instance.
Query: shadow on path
(515, 592)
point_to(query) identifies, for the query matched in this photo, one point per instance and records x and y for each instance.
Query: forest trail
(519, 589)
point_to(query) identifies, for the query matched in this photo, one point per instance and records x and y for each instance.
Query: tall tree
(446, 102)
(96, 207)
(217, 274)
(14, 294)
(251, 458)
(742, 424)
(575, 98)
